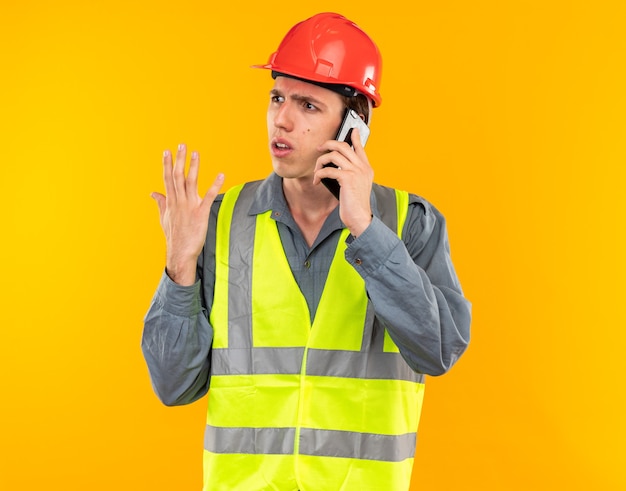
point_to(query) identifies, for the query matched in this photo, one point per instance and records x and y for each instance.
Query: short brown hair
(358, 103)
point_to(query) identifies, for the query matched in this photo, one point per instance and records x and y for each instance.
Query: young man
(311, 320)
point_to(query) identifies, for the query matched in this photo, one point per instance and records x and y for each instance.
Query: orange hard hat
(330, 50)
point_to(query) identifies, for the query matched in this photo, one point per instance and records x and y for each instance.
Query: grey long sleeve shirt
(410, 282)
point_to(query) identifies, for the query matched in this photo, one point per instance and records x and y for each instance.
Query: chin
(283, 170)
(290, 170)
(279, 170)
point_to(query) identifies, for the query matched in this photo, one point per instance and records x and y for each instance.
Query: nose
(282, 117)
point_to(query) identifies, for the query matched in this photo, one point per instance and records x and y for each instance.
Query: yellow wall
(508, 116)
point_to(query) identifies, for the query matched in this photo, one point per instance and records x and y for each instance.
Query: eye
(277, 99)
(308, 106)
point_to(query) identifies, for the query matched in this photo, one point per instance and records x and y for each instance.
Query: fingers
(338, 155)
(351, 165)
(179, 171)
(212, 192)
(180, 188)
(356, 140)
(349, 156)
(167, 173)
(338, 165)
(160, 199)
(177, 186)
(191, 185)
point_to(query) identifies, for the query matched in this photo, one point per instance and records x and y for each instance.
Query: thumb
(160, 199)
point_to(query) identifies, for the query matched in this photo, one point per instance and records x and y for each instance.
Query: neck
(308, 199)
(309, 205)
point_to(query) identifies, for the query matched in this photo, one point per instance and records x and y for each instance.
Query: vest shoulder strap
(393, 206)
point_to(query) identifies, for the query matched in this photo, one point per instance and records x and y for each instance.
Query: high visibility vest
(327, 406)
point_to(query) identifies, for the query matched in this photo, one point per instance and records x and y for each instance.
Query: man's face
(300, 117)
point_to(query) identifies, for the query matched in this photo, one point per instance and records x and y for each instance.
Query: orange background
(508, 116)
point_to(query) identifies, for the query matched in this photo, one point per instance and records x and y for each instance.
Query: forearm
(176, 342)
(428, 323)
(426, 315)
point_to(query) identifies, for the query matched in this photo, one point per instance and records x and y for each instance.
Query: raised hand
(184, 214)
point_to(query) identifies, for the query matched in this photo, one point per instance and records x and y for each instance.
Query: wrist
(361, 226)
(181, 272)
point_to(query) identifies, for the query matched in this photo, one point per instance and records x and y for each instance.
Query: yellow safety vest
(327, 406)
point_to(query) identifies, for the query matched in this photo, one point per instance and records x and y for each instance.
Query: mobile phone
(350, 121)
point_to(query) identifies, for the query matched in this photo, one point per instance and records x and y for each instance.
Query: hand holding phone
(350, 121)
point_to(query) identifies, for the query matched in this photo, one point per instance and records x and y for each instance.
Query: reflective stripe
(386, 203)
(329, 363)
(250, 361)
(356, 364)
(347, 444)
(393, 208)
(249, 440)
(240, 296)
(232, 285)
(320, 443)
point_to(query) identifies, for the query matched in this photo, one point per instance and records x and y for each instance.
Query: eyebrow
(299, 97)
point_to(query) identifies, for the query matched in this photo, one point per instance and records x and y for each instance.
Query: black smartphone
(350, 121)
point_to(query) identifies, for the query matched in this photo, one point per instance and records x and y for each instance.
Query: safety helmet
(332, 51)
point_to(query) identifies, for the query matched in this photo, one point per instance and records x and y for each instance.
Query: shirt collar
(269, 196)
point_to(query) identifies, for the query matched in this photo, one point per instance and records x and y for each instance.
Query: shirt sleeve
(177, 335)
(414, 288)
(176, 341)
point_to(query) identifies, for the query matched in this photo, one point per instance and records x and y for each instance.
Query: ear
(370, 106)
(362, 116)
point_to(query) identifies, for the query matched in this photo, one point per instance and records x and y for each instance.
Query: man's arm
(177, 335)
(414, 288)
